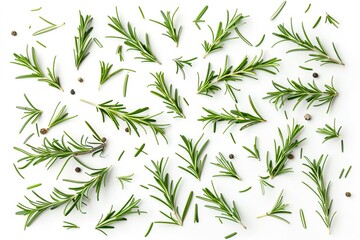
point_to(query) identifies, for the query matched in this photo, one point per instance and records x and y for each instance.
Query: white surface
(16, 15)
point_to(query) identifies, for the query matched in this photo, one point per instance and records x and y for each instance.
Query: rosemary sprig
(70, 225)
(83, 40)
(132, 41)
(218, 203)
(180, 64)
(281, 152)
(169, 190)
(255, 152)
(132, 119)
(170, 98)
(31, 113)
(130, 207)
(331, 20)
(30, 62)
(329, 132)
(200, 15)
(69, 148)
(316, 175)
(245, 68)
(196, 158)
(75, 199)
(317, 50)
(233, 117)
(51, 26)
(57, 118)
(172, 32)
(227, 166)
(279, 208)
(223, 32)
(126, 178)
(298, 91)
(105, 73)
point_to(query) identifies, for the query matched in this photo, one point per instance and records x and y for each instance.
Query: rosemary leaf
(200, 15)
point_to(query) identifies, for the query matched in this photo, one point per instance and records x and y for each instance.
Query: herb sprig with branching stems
(51, 26)
(321, 189)
(197, 159)
(130, 207)
(30, 62)
(31, 113)
(317, 50)
(281, 152)
(133, 119)
(199, 16)
(298, 91)
(180, 64)
(65, 148)
(227, 166)
(172, 32)
(131, 39)
(279, 208)
(331, 20)
(125, 178)
(83, 40)
(218, 203)
(223, 32)
(74, 200)
(105, 73)
(70, 225)
(169, 191)
(278, 166)
(170, 97)
(209, 86)
(255, 152)
(233, 117)
(57, 118)
(329, 132)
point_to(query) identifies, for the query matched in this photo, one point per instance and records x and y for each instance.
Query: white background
(16, 15)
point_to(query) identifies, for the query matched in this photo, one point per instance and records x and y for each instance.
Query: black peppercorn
(77, 169)
(127, 130)
(315, 75)
(231, 156)
(290, 156)
(348, 194)
(72, 92)
(103, 139)
(80, 79)
(14, 33)
(307, 117)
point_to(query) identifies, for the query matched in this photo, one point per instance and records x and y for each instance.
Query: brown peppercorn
(80, 79)
(348, 194)
(307, 117)
(127, 130)
(231, 156)
(290, 156)
(77, 169)
(315, 75)
(44, 130)
(72, 92)
(14, 33)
